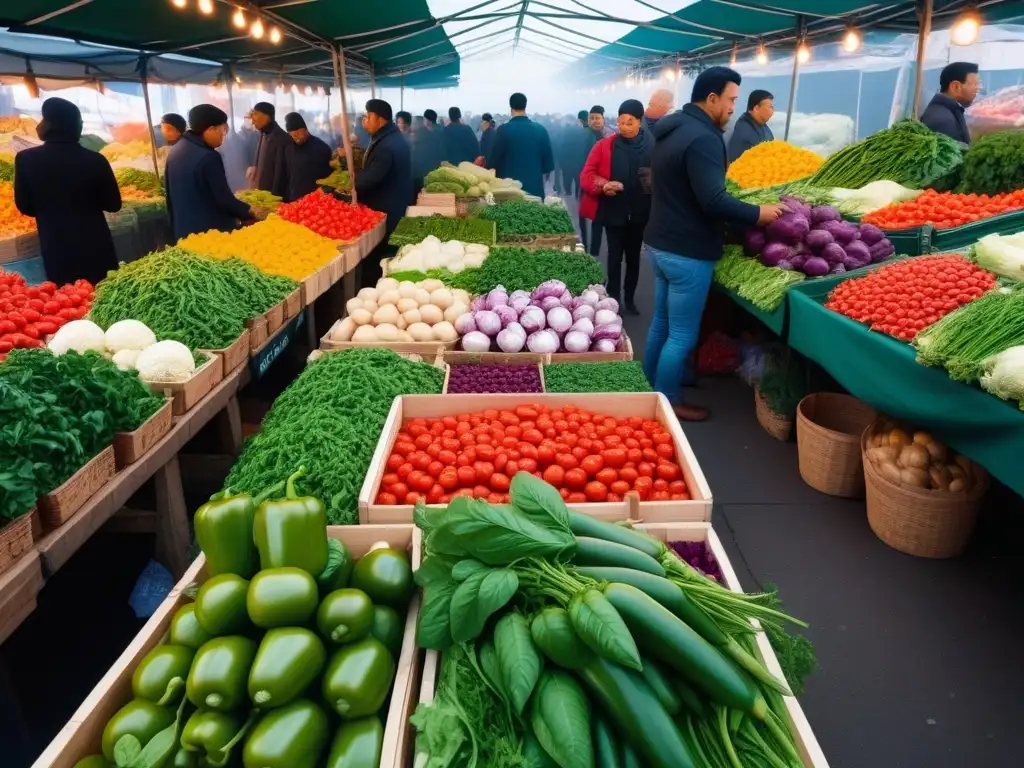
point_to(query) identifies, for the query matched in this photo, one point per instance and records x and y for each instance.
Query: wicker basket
(778, 426)
(828, 431)
(920, 521)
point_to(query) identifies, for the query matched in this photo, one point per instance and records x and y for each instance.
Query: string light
(966, 27)
(762, 55)
(179, 3)
(851, 40)
(256, 30)
(239, 19)
(803, 53)
(275, 35)
(206, 7)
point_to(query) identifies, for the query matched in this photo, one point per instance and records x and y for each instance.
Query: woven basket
(828, 431)
(778, 426)
(920, 521)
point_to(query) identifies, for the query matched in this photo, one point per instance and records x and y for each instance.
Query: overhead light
(803, 53)
(670, 74)
(762, 55)
(179, 3)
(851, 40)
(966, 28)
(238, 80)
(309, 90)
(238, 19)
(206, 7)
(275, 35)
(629, 81)
(256, 30)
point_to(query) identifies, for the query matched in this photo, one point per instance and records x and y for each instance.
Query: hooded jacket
(689, 204)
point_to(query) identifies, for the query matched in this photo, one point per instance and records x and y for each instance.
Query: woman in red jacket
(615, 183)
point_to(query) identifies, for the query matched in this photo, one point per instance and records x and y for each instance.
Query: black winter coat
(385, 182)
(198, 195)
(487, 140)
(67, 188)
(272, 160)
(428, 152)
(746, 134)
(945, 115)
(460, 143)
(307, 163)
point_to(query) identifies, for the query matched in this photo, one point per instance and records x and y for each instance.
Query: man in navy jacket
(460, 142)
(752, 128)
(685, 234)
(958, 87)
(522, 149)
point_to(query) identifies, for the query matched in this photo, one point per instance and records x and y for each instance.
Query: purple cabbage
(789, 228)
(871, 234)
(798, 261)
(842, 231)
(881, 250)
(838, 269)
(786, 265)
(833, 253)
(857, 255)
(815, 266)
(753, 241)
(773, 253)
(823, 213)
(818, 238)
(796, 205)
(483, 378)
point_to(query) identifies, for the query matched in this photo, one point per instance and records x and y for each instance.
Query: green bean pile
(764, 287)
(197, 300)
(626, 376)
(329, 420)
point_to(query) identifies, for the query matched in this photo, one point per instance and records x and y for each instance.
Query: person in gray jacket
(958, 87)
(752, 126)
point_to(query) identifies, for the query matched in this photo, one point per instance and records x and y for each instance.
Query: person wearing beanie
(308, 158)
(198, 195)
(271, 170)
(428, 151)
(171, 127)
(67, 187)
(385, 181)
(522, 149)
(487, 133)
(460, 141)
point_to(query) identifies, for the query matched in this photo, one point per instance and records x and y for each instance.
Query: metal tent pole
(796, 74)
(922, 45)
(373, 84)
(231, 97)
(149, 114)
(340, 81)
(401, 93)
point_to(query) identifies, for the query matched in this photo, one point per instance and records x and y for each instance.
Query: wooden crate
(293, 304)
(234, 355)
(19, 586)
(274, 317)
(624, 352)
(258, 333)
(448, 372)
(807, 745)
(80, 737)
(337, 265)
(28, 245)
(648, 405)
(311, 288)
(370, 239)
(442, 199)
(185, 394)
(9, 250)
(16, 539)
(459, 356)
(428, 350)
(129, 447)
(352, 255)
(431, 210)
(60, 504)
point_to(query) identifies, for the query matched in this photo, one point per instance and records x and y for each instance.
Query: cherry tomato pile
(944, 209)
(902, 298)
(330, 217)
(587, 456)
(28, 314)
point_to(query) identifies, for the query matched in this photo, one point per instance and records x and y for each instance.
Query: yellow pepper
(12, 222)
(773, 162)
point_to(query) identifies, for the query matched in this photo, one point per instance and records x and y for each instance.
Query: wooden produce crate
(129, 447)
(19, 585)
(624, 352)
(9, 250)
(16, 539)
(428, 350)
(807, 745)
(81, 735)
(448, 372)
(647, 405)
(235, 354)
(313, 287)
(258, 333)
(431, 210)
(61, 504)
(372, 238)
(185, 394)
(440, 199)
(459, 356)
(292, 304)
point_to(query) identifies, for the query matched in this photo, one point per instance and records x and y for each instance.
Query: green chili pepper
(185, 629)
(183, 758)
(224, 532)
(218, 676)
(213, 735)
(160, 676)
(344, 616)
(220, 605)
(287, 662)
(292, 531)
(358, 678)
(292, 736)
(139, 718)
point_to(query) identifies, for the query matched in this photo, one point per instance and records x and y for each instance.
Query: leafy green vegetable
(784, 384)
(994, 164)
(764, 287)
(794, 651)
(525, 217)
(809, 193)
(414, 229)
(144, 181)
(601, 627)
(477, 598)
(560, 717)
(540, 501)
(622, 376)
(518, 658)
(520, 269)
(499, 535)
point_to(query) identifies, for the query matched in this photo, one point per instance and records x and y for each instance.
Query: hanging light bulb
(206, 7)
(762, 55)
(629, 81)
(238, 19)
(803, 53)
(309, 90)
(275, 35)
(966, 28)
(179, 3)
(256, 30)
(851, 40)
(670, 74)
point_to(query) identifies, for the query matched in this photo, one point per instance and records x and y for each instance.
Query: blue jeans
(681, 288)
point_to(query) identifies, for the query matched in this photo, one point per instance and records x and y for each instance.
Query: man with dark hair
(689, 211)
(271, 170)
(309, 158)
(595, 119)
(591, 234)
(429, 148)
(522, 149)
(404, 122)
(958, 87)
(385, 182)
(752, 127)
(172, 125)
(487, 133)
(460, 142)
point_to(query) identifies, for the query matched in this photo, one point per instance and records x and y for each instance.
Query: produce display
(764, 287)
(285, 657)
(201, 301)
(917, 460)
(276, 246)
(525, 218)
(1002, 254)
(999, 111)
(549, 319)
(1004, 375)
(59, 412)
(481, 378)
(329, 420)
(469, 180)
(994, 164)
(587, 457)
(802, 190)
(30, 313)
(258, 198)
(143, 181)
(431, 253)
(12, 222)
(416, 229)
(130, 194)
(773, 162)
(394, 311)
(907, 153)
(339, 179)
(18, 125)
(520, 269)
(944, 209)
(904, 297)
(577, 642)
(619, 376)
(6, 170)
(130, 150)
(871, 197)
(328, 216)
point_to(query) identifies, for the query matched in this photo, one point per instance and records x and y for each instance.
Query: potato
(407, 289)
(388, 314)
(898, 438)
(914, 457)
(361, 317)
(431, 314)
(365, 333)
(389, 297)
(368, 294)
(420, 332)
(882, 454)
(890, 472)
(412, 316)
(941, 478)
(958, 486)
(966, 465)
(370, 306)
(403, 335)
(353, 304)
(430, 285)
(343, 331)
(938, 452)
(387, 284)
(455, 311)
(445, 331)
(387, 332)
(401, 324)
(462, 296)
(916, 478)
(442, 298)
(922, 438)
(422, 297)
(404, 305)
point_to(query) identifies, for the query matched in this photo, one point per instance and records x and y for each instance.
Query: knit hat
(266, 108)
(293, 122)
(174, 119)
(62, 121)
(203, 116)
(632, 107)
(597, 109)
(380, 108)
(488, 117)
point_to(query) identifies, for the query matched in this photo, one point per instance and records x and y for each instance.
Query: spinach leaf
(491, 667)
(560, 716)
(433, 628)
(553, 633)
(518, 657)
(479, 596)
(600, 626)
(539, 501)
(433, 569)
(534, 753)
(466, 568)
(427, 518)
(500, 535)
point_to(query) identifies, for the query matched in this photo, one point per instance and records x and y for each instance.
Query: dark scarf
(628, 157)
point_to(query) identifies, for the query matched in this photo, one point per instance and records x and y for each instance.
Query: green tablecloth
(776, 321)
(882, 371)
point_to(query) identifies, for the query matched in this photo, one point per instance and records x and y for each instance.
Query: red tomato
(466, 477)
(576, 497)
(607, 476)
(667, 471)
(499, 482)
(554, 475)
(596, 491)
(576, 479)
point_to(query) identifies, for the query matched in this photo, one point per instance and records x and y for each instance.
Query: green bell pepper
(212, 736)
(281, 597)
(160, 676)
(185, 629)
(94, 761)
(344, 616)
(219, 672)
(292, 531)
(185, 759)
(220, 605)
(386, 576)
(223, 528)
(292, 736)
(388, 627)
(358, 678)
(357, 744)
(338, 571)
(287, 662)
(139, 718)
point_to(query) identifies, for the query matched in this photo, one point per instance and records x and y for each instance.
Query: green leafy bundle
(6, 171)
(414, 229)
(625, 376)
(994, 164)
(809, 193)
(144, 181)
(525, 217)
(329, 420)
(784, 384)
(188, 297)
(764, 287)
(520, 269)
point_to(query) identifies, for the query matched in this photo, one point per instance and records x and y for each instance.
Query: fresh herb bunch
(414, 229)
(625, 376)
(809, 193)
(784, 384)
(794, 651)
(466, 279)
(145, 181)
(200, 301)
(994, 164)
(329, 420)
(525, 217)
(520, 269)
(764, 287)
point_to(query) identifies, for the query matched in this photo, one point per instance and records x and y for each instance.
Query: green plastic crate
(968, 234)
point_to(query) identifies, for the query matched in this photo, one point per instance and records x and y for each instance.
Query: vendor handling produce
(198, 195)
(958, 86)
(67, 187)
(308, 158)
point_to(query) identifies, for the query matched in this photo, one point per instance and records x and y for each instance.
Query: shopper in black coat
(429, 150)
(309, 158)
(271, 170)
(198, 195)
(67, 187)
(959, 86)
(487, 133)
(460, 142)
